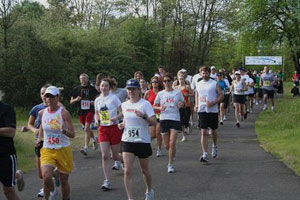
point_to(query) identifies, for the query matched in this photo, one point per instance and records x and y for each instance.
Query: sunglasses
(167, 80)
(154, 82)
(49, 96)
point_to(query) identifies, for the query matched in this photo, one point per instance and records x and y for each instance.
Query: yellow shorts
(60, 158)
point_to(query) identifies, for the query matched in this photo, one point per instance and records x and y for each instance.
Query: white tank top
(238, 86)
(207, 91)
(52, 123)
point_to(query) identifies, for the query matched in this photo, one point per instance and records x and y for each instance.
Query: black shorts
(226, 100)
(8, 170)
(208, 120)
(239, 99)
(251, 95)
(185, 114)
(270, 93)
(141, 150)
(256, 90)
(167, 125)
(37, 150)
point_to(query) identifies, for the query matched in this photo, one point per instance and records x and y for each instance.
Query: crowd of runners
(127, 120)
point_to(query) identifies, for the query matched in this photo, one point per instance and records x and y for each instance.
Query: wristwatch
(145, 117)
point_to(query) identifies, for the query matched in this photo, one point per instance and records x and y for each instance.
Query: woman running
(107, 106)
(155, 87)
(138, 115)
(238, 87)
(168, 102)
(225, 88)
(144, 87)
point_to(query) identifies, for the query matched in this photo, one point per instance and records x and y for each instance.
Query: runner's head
(143, 83)
(213, 70)
(52, 96)
(138, 75)
(84, 79)
(237, 75)
(242, 71)
(105, 86)
(42, 92)
(133, 89)
(155, 82)
(181, 79)
(99, 77)
(266, 69)
(161, 70)
(168, 80)
(205, 72)
(219, 76)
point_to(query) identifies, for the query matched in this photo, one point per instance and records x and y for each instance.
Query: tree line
(55, 43)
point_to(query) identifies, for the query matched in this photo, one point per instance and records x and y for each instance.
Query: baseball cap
(242, 68)
(237, 73)
(183, 70)
(52, 90)
(219, 74)
(212, 67)
(132, 83)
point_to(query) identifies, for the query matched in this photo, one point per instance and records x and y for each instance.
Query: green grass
(279, 132)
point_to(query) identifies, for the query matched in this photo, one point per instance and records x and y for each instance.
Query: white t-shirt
(136, 128)
(246, 79)
(189, 78)
(207, 91)
(250, 88)
(170, 100)
(213, 76)
(106, 108)
(195, 79)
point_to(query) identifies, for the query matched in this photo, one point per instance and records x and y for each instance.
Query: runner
(185, 112)
(84, 96)
(8, 157)
(138, 115)
(267, 82)
(250, 85)
(144, 87)
(238, 88)
(56, 128)
(208, 96)
(33, 125)
(256, 88)
(155, 87)
(213, 73)
(225, 88)
(106, 107)
(119, 92)
(168, 101)
(138, 75)
(245, 78)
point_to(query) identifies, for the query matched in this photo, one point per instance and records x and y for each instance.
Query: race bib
(157, 115)
(266, 83)
(85, 104)
(202, 99)
(134, 134)
(54, 140)
(104, 117)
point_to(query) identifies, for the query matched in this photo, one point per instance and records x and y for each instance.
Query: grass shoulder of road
(24, 142)
(278, 132)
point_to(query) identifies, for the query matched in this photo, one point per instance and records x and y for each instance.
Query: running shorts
(60, 158)
(226, 100)
(251, 95)
(8, 170)
(86, 118)
(270, 93)
(239, 99)
(167, 125)
(208, 120)
(141, 150)
(185, 114)
(111, 134)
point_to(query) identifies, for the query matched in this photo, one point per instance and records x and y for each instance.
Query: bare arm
(74, 100)
(8, 132)
(146, 95)
(30, 125)
(69, 131)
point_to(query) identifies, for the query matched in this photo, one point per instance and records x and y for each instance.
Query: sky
(44, 2)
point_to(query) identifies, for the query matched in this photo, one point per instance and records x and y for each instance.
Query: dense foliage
(55, 43)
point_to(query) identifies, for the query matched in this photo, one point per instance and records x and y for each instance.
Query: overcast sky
(44, 2)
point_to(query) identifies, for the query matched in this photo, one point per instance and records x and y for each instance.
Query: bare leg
(65, 186)
(146, 173)
(128, 164)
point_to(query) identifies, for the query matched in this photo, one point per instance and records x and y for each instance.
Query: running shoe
(171, 169)
(150, 195)
(20, 180)
(183, 139)
(204, 158)
(106, 185)
(41, 193)
(273, 108)
(245, 115)
(214, 151)
(117, 166)
(224, 118)
(84, 151)
(221, 122)
(265, 107)
(158, 153)
(53, 195)
(238, 124)
(56, 177)
(256, 103)
(95, 144)
(251, 110)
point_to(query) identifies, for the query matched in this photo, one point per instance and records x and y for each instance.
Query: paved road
(242, 171)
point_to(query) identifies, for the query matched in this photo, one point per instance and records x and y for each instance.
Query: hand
(163, 108)
(114, 119)
(24, 129)
(180, 104)
(121, 126)
(210, 103)
(196, 108)
(138, 113)
(78, 98)
(97, 123)
(37, 142)
(36, 131)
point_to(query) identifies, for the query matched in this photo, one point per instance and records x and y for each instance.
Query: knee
(127, 171)
(167, 146)
(145, 172)
(8, 192)
(104, 157)
(47, 177)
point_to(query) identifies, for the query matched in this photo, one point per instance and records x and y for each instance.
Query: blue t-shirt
(35, 113)
(222, 84)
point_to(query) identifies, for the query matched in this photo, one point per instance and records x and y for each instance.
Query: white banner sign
(263, 60)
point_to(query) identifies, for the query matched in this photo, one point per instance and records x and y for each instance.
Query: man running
(84, 96)
(208, 96)
(267, 82)
(8, 156)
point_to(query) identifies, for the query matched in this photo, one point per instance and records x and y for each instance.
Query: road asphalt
(242, 171)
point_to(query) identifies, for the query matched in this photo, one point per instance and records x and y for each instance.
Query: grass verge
(279, 133)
